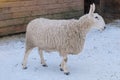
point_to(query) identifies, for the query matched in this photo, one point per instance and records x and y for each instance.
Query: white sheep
(64, 36)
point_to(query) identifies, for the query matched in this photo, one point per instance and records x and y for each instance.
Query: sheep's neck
(85, 24)
(83, 32)
(85, 29)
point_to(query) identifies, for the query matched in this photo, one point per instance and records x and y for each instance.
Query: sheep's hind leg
(42, 58)
(63, 66)
(27, 52)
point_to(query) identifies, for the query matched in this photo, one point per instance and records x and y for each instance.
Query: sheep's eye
(96, 18)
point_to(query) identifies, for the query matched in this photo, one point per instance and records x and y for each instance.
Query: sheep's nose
(104, 28)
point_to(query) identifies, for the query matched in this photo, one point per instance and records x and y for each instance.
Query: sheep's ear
(90, 11)
(92, 8)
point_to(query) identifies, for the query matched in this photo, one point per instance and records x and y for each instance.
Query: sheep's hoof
(67, 73)
(44, 65)
(24, 68)
(61, 69)
(60, 65)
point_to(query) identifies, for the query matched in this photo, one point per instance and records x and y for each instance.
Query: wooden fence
(15, 14)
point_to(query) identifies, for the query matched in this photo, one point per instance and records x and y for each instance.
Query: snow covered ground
(100, 59)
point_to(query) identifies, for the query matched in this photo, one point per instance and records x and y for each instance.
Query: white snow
(99, 60)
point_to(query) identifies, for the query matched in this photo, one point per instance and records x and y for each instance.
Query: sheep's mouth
(102, 29)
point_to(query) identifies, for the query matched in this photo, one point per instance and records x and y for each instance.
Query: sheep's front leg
(42, 59)
(63, 66)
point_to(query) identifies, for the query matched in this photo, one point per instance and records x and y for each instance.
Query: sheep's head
(96, 20)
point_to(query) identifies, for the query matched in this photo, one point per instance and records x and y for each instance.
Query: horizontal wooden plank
(39, 2)
(12, 29)
(5, 16)
(17, 4)
(12, 0)
(12, 22)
